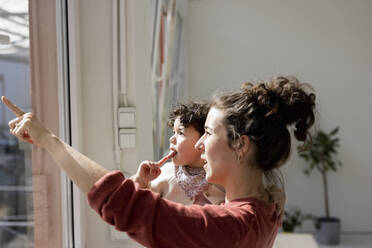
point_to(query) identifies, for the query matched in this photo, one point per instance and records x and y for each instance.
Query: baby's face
(183, 142)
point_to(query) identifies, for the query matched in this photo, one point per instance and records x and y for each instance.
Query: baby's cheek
(184, 147)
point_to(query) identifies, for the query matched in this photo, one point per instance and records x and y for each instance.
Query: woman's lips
(205, 162)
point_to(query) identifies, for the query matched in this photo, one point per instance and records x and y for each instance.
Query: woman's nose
(200, 144)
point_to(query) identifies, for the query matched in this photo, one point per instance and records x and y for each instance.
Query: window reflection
(16, 209)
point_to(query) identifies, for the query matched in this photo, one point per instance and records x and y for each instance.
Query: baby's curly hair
(263, 111)
(191, 114)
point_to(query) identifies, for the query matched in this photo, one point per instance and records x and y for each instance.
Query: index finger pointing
(17, 111)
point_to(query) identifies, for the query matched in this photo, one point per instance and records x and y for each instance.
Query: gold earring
(240, 157)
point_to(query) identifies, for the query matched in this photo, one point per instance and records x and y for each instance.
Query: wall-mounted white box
(127, 138)
(127, 117)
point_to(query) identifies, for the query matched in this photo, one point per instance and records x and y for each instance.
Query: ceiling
(14, 23)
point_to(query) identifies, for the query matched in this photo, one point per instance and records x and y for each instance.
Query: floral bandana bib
(191, 180)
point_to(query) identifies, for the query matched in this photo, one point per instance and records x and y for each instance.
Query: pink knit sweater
(158, 223)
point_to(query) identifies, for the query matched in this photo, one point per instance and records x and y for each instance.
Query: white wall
(326, 43)
(95, 65)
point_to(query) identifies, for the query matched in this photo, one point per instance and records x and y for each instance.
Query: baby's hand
(146, 172)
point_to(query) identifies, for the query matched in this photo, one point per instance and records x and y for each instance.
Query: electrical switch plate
(127, 138)
(127, 117)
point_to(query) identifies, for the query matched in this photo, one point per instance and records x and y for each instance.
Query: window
(16, 205)
(168, 67)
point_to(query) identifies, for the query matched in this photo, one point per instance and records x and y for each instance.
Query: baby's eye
(178, 132)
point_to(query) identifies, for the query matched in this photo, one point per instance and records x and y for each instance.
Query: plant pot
(328, 230)
(287, 227)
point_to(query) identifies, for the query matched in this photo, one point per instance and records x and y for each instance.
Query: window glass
(168, 71)
(16, 208)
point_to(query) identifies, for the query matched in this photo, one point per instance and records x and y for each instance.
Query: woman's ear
(245, 143)
(243, 147)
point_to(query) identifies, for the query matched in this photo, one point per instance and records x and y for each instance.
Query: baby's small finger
(144, 164)
(156, 170)
(152, 165)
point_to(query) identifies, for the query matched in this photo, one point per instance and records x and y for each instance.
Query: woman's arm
(83, 171)
(156, 222)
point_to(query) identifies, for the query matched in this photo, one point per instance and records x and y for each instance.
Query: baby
(183, 179)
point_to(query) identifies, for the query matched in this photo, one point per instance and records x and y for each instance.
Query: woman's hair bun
(285, 100)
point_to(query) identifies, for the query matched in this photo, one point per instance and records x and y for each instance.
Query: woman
(246, 137)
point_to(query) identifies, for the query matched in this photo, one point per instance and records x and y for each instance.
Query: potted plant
(291, 219)
(320, 153)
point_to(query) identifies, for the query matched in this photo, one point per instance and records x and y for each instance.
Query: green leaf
(334, 131)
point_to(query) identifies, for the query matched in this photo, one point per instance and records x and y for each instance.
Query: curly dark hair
(191, 114)
(263, 111)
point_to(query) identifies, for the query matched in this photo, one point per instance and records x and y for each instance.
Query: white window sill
(306, 240)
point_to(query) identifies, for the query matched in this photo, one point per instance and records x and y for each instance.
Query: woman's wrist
(50, 142)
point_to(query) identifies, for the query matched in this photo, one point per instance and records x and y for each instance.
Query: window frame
(44, 103)
(70, 116)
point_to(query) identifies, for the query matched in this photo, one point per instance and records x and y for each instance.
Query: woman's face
(218, 157)
(183, 142)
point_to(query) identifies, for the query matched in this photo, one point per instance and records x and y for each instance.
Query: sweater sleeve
(156, 222)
